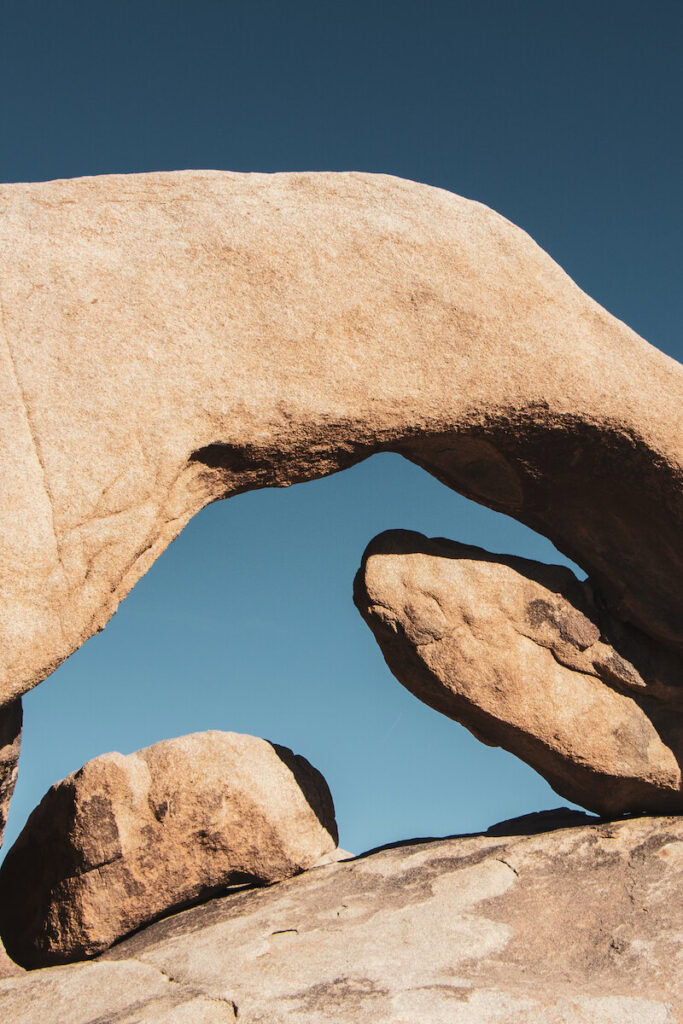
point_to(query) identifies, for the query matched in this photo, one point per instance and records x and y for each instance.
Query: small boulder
(126, 839)
(521, 654)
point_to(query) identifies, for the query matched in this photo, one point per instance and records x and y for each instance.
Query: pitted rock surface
(168, 339)
(520, 653)
(574, 926)
(127, 839)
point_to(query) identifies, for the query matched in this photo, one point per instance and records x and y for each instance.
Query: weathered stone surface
(10, 745)
(8, 968)
(520, 653)
(126, 839)
(171, 339)
(577, 926)
(95, 993)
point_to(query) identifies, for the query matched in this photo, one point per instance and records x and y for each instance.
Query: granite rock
(579, 925)
(125, 840)
(522, 655)
(10, 745)
(169, 339)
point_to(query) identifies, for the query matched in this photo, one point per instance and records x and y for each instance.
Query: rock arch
(171, 339)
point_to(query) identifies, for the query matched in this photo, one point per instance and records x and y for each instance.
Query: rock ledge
(581, 925)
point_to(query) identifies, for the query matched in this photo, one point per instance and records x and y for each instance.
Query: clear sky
(565, 117)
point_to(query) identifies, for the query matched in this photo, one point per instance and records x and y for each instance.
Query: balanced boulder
(127, 838)
(521, 654)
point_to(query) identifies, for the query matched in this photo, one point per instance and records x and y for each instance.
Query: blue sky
(566, 118)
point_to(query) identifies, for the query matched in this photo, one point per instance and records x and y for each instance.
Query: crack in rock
(191, 990)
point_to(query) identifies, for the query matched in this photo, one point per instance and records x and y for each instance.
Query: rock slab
(522, 654)
(128, 838)
(171, 339)
(580, 925)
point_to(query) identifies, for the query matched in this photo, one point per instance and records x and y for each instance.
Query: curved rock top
(170, 339)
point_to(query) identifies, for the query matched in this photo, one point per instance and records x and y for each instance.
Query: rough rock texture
(170, 339)
(577, 926)
(10, 745)
(126, 839)
(8, 968)
(521, 654)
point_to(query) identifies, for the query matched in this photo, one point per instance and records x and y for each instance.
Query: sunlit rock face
(563, 925)
(169, 339)
(521, 654)
(173, 338)
(125, 840)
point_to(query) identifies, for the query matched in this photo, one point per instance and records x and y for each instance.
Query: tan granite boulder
(168, 339)
(579, 925)
(521, 654)
(8, 968)
(126, 839)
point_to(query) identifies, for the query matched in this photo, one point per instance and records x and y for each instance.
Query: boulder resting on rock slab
(128, 838)
(522, 655)
(581, 925)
